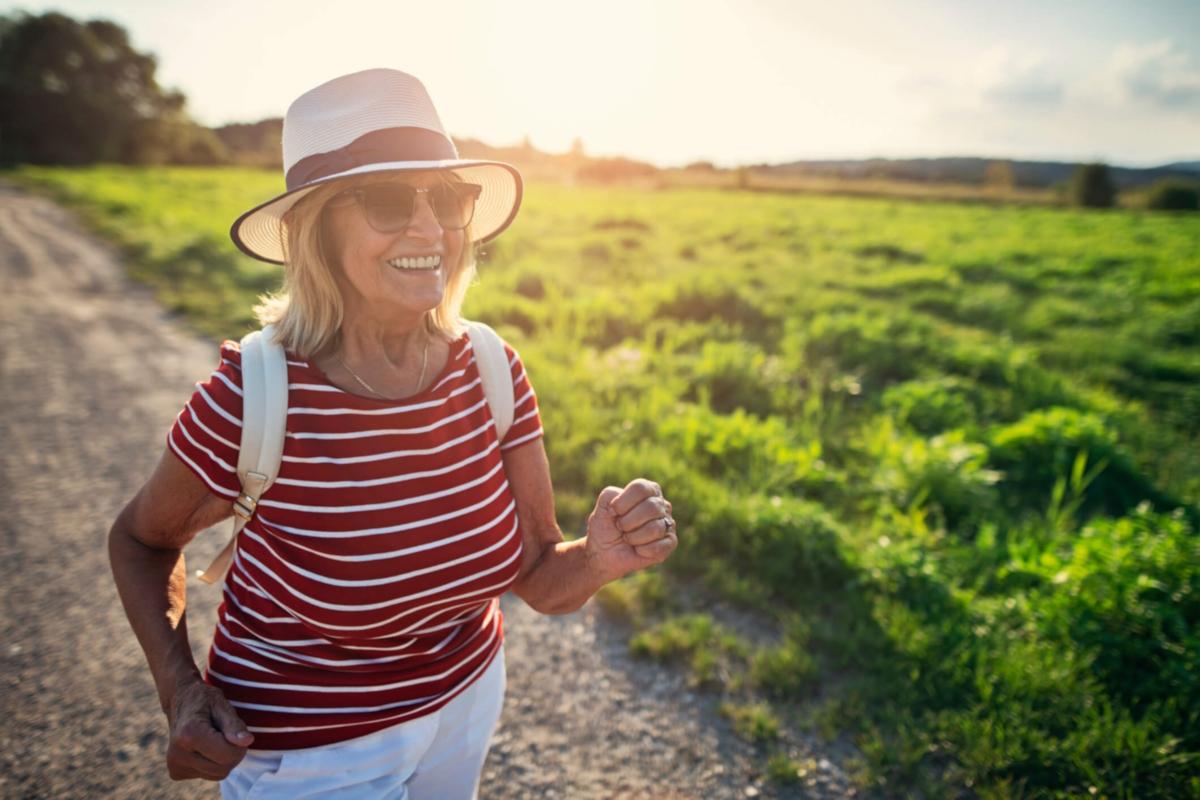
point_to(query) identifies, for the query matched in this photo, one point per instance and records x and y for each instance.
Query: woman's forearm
(561, 580)
(152, 584)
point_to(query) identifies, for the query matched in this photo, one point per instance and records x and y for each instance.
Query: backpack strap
(496, 374)
(264, 428)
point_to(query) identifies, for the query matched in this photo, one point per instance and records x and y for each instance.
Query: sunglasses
(389, 207)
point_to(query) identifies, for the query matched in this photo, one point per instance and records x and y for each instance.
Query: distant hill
(971, 171)
(1186, 166)
(258, 144)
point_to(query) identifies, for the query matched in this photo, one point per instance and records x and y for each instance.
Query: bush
(788, 547)
(932, 406)
(945, 474)
(1172, 195)
(1129, 592)
(740, 449)
(1041, 448)
(1092, 187)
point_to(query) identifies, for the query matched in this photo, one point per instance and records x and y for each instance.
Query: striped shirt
(364, 592)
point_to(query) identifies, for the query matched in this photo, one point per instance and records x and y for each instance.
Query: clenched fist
(208, 739)
(630, 528)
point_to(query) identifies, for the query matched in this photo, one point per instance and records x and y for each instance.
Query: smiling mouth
(420, 262)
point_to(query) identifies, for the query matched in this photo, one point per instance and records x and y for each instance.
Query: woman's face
(373, 275)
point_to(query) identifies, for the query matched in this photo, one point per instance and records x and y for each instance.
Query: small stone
(824, 765)
(751, 791)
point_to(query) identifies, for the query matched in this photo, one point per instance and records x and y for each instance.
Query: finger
(652, 531)
(651, 508)
(658, 550)
(199, 736)
(637, 491)
(645, 512)
(605, 500)
(226, 720)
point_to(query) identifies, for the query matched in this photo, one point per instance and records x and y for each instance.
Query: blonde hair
(307, 313)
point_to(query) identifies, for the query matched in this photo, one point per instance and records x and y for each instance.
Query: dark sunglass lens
(454, 205)
(388, 208)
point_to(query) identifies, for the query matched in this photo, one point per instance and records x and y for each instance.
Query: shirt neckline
(455, 349)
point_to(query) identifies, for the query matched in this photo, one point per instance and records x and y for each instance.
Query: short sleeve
(207, 433)
(527, 425)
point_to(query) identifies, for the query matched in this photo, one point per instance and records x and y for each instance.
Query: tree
(998, 177)
(1092, 187)
(254, 143)
(77, 93)
(1174, 195)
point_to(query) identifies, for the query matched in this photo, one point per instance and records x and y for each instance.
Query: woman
(358, 650)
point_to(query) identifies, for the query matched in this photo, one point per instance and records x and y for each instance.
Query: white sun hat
(380, 120)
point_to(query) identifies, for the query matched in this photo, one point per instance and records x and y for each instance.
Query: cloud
(998, 80)
(1005, 79)
(1155, 74)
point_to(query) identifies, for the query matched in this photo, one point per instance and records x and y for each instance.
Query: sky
(729, 81)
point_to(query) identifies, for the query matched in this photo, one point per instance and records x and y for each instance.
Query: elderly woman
(359, 648)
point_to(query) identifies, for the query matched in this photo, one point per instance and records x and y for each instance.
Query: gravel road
(92, 373)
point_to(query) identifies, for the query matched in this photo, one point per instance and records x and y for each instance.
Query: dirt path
(92, 372)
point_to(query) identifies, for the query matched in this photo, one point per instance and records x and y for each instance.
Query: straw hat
(380, 120)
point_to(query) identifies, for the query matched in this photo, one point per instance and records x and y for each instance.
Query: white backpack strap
(496, 373)
(264, 426)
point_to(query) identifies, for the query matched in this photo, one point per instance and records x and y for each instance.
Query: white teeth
(421, 262)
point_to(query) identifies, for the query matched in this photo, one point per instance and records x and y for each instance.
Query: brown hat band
(377, 147)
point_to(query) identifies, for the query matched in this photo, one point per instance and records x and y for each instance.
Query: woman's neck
(397, 343)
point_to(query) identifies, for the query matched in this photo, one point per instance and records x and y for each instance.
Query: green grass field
(949, 452)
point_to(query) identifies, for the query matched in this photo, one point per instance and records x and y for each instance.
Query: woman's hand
(630, 528)
(208, 739)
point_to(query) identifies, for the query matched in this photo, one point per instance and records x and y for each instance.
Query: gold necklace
(367, 386)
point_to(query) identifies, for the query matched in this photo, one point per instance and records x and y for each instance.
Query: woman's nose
(423, 225)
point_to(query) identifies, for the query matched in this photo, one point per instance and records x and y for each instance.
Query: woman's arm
(145, 548)
(627, 530)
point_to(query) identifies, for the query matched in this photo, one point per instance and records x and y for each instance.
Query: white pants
(435, 757)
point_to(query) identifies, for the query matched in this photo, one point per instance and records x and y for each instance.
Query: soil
(92, 373)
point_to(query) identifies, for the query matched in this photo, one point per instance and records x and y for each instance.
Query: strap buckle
(245, 506)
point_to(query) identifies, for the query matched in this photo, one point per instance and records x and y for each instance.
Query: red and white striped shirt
(365, 590)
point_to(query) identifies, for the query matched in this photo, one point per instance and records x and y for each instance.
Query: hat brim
(257, 233)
